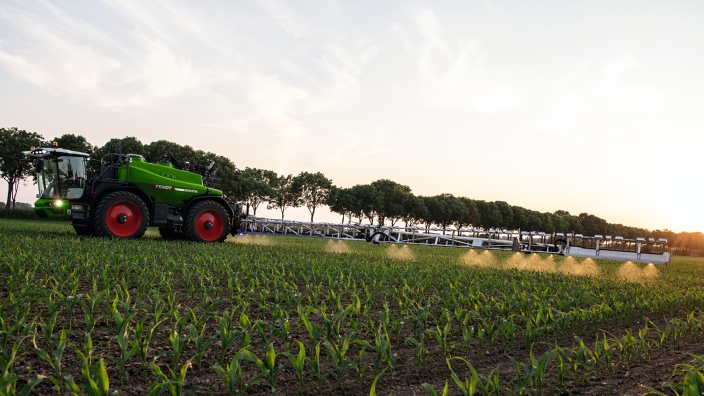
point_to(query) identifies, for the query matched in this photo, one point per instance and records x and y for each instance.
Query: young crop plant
(314, 330)
(97, 383)
(8, 380)
(314, 363)
(233, 375)
(226, 334)
(337, 354)
(540, 365)
(127, 349)
(89, 306)
(476, 384)
(270, 371)
(691, 382)
(445, 389)
(422, 349)
(173, 383)
(202, 343)
(143, 334)
(54, 360)
(298, 362)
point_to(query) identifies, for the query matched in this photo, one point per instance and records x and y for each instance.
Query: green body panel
(53, 208)
(164, 183)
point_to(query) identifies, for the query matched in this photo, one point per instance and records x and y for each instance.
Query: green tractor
(61, 176)
(131, 194)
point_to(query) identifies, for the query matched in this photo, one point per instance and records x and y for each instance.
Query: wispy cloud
(454, 72)
(285, 18)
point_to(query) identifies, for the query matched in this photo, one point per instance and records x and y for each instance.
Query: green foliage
(314, 189)
(284, 195)
(13, 167)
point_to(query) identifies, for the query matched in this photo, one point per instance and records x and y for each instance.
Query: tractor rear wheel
(121, 214)
(206, 221)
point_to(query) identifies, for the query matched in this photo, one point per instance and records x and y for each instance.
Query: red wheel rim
(210, 225)
(123, 218)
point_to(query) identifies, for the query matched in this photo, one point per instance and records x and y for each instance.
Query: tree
(473, 217)
(506, 214)
(343, 201)
(284, 195)
(533, 220)
(546, 223)
(592, 225)
(567, 222)
(519, 218)
(155, 151)
(445, 209)
(489, 214)
(392, 195)
(369, 200)
(413, 209)
(13, 167)
(255, 186)
(314, 188)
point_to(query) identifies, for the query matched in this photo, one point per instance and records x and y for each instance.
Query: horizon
(589, 108)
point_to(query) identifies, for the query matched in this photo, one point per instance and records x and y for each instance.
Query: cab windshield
(61, 178)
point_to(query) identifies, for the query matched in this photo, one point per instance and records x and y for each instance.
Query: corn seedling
(54, 360)
(298, 362)
(8, 381)
(269, 370)
(432, 392)
(174, 382)
(233, 377)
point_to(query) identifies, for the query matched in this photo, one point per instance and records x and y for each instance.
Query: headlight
(58, 203)
(76, 207)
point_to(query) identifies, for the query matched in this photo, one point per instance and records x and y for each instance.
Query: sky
(592, 106)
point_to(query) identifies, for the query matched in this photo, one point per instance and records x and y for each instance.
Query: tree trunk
(282, 214)
(312, 213)
(10, 185)
(14, 194)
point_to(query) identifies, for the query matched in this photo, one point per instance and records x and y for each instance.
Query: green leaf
(372, 390)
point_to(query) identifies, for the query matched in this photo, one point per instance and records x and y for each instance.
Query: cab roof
(55, 152)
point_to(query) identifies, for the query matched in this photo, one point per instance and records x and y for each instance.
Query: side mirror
(40, 165)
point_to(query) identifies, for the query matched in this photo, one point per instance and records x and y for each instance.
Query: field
(288, 315)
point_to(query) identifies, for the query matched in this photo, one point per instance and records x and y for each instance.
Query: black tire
(560, 242)
(171, 233)
(121, 214)
(206, 221)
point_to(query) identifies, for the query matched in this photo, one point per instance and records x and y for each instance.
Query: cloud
(148, 56)
(621, 65)
(285, 18)
(454, 72)
(68, 56)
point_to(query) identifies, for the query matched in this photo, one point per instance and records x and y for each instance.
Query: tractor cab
(61, 176)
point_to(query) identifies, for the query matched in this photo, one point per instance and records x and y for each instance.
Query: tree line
(380, 202)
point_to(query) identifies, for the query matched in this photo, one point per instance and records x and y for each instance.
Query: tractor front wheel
(206, 221)
(121, 214)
